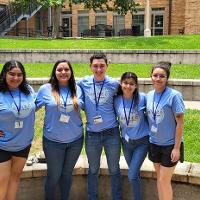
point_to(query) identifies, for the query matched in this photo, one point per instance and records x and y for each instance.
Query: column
(147, 31)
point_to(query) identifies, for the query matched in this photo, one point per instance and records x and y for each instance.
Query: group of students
(150, 123)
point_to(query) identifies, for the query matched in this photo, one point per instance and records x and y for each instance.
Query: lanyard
(18, 107)
(154, 111)
(129, 114)
(97, 99)
(65, 100)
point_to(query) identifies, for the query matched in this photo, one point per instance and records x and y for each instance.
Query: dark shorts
(7, 155)
(162, 154)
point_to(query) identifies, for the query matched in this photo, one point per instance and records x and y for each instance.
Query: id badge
(64, 118)
(97, 119)
(126, 138)
(154, 128)
(18, 124)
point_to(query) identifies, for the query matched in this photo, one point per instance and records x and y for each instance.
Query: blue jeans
(110, 140)
(135, 152)
(61, 159)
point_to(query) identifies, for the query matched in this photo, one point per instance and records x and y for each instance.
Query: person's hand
(1, 133)
(175, 155)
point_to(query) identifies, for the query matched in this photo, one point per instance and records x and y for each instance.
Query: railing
(11, 16)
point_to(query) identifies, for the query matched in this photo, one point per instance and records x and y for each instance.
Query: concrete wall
(186, 181)
(189, 88)
(116, 56)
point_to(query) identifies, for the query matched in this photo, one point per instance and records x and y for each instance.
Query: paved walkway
(192, 104)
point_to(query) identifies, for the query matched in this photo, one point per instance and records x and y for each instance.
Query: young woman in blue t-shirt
(130, 106)
(63, 128)
(165, 110)
(17, 116)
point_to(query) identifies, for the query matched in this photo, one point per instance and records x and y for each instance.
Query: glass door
(67, 30)
(157, 24)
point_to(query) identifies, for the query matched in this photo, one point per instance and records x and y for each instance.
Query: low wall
(116, 56)
(190, 88)
(185, 181)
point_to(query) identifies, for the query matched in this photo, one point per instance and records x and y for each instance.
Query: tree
(120, 6)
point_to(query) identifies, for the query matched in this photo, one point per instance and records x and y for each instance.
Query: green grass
(154, 42)
(191, 134)
(114, 70)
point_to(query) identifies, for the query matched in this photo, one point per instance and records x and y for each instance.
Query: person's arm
(1, 133)
(175, 155)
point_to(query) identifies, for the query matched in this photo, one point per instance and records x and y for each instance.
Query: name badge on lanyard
(97, 119)
(64, 118)
(129, 114)
(18, 124)
(154, 110)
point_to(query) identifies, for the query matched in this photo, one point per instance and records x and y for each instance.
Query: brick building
(167, 17)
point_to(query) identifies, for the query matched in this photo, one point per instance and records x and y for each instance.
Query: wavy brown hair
(55, 84)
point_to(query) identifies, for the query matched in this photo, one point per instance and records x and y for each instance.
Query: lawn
(191, 135)
(115, 70)
(154, 42)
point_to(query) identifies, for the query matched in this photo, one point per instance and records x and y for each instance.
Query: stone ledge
(117, 51)
(186, 172)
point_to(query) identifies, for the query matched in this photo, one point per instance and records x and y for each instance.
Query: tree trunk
(56, 21)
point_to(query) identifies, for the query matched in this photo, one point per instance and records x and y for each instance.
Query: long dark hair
(136, 92)
(8, 66)
(55, 84)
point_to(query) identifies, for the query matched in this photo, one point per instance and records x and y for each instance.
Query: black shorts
(7, 155)
(162, 154)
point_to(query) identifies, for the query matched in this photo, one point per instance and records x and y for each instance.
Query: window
(138, 21)
(101, 18)
(83, 21)
(118, 23)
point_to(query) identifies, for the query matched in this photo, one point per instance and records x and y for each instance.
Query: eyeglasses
(161, 76)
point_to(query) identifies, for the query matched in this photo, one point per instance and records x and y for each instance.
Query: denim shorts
(7, 155)
(162, 154)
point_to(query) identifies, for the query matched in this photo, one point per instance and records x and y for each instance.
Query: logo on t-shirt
(158, 117)
(69, 106)
(104, 97)
(25, 109)
(133, 121)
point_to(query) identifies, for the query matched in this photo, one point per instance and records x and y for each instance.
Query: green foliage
(120, 6)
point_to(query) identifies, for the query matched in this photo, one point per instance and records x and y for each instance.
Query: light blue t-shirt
(161, 115)
(105, 110)
(17, 137)
(61, 124)
(138, 125)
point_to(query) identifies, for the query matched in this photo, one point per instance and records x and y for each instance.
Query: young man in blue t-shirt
(101, 127)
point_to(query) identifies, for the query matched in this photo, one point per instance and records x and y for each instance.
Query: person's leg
(93, 150)
(72, 153)
(112, 145)
(157, 169)
(5, 171)
(138, 155)
(17, 165)
(54, 154)
(165, 176)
